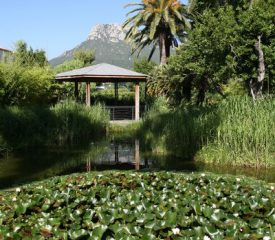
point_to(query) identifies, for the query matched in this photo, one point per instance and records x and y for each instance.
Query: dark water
(37, 164)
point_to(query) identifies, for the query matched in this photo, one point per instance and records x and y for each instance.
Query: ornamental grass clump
(128, 205)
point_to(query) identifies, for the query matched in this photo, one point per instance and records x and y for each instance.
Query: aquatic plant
(245, 134)
(65, 123)
(235, 132)
(128, 205)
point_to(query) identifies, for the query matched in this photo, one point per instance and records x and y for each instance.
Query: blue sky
(55, 25)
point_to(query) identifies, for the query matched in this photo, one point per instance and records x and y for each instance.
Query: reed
(65, 123)
(246, 134)
(235, 132)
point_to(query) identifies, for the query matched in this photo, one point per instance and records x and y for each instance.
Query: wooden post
(116, 153)
(137, 101)
(137, 156)
(88, 165)
(76, 90)
(88, 94)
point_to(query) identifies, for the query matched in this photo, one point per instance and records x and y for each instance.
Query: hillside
(108, 42)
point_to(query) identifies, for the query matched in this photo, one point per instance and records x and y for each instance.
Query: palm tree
(156, 23)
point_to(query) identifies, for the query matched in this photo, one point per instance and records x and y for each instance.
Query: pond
(25, 166)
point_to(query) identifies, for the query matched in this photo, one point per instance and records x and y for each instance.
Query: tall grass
(235, 132)
(181, 132)
(245, 135)
(65, 123)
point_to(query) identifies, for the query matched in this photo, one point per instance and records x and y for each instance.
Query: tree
(203, 63)
(257, 44)
(26, 56)
(196, 7)
(223, 54)
(144, 66)
(21, 85)
(85, 56)
(157, 23)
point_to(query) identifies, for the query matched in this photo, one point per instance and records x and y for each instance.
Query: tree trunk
(256, 88)
(202, 91)
(168, 44)
(162, 48)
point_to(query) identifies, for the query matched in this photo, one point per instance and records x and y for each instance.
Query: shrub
(25, 85)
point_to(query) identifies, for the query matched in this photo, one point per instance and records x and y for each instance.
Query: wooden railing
(123, 112)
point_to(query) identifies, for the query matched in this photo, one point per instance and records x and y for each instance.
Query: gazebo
(104, 73)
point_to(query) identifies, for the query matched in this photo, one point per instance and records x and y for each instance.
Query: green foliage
(24, 56)
(20, 85)
(68, 66)
(197, 7)
(65, 123)
(26, 78)
(144, 66)
(118, 205)
(257, 21)
(107, 97)
(236, 132)
(85, 56)
(81, 59)
(123, 132)
(203, 63)
(219, 55)
(245, 135)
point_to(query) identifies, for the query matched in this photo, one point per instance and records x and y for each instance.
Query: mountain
(108, 42)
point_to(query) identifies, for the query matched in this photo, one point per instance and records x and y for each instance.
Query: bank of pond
(131, 205)
(171, 195)
(235, 131)
(24, 166)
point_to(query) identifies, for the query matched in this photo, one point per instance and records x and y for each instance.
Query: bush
(107, 96)
(25, 85)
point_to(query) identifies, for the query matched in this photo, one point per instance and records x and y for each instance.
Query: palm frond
(133, 4)
(133, 11)
(154, 25)
(152, 52)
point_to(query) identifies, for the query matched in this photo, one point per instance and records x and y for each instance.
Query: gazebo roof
(101, 73)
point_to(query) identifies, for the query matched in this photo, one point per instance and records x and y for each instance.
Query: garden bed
(129, 205)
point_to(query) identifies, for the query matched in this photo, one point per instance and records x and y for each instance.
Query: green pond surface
(22, 167)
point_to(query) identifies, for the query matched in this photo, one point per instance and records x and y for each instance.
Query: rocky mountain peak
(108, 32)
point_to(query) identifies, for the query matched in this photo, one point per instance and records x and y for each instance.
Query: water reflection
(36, 164)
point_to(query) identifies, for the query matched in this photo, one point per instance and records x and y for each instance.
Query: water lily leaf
(272, 219)
(98, 232)
(256, 223)
(211, 230)
(170, 219)
(77, 234)
(20, 208)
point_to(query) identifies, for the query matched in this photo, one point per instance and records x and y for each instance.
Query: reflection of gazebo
(103, 73)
